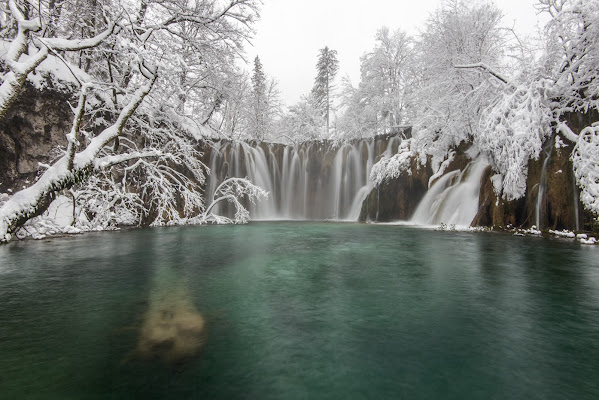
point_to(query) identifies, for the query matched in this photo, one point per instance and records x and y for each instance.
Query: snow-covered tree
(263, 104)
(360, 116)
(465, 94)
(259, 103)
(326, 69)
(302, 122)
(574, 34)
(542, 95)
(449, 100)
(380, 102)
(152, 67)
(574, 44)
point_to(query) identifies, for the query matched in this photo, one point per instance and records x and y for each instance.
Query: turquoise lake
(302, 310)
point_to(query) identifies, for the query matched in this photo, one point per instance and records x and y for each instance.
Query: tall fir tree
(259, 105)
(326, 69)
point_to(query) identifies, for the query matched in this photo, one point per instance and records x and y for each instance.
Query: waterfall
(543, 183)
(576, 210)
(453, 199)
(314, 180)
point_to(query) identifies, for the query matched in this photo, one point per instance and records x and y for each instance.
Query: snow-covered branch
(85, 157)
(232, 190)
(512, 131)
(60, 44)
(73, 135)
(565, 130)
(13, 80)
(585, 159)
(485, 68)
(64, 173)
(109, 161)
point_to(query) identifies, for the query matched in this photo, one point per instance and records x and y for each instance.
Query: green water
(304, 311)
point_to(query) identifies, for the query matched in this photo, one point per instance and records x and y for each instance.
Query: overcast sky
(291, 32)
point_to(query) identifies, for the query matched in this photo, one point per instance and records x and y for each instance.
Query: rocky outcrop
(558, 207)
(498, 213)
(397, 199)
(551, 200)
(29, 134)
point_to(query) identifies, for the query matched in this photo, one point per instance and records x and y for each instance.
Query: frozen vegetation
(475, 89)
(153, 82)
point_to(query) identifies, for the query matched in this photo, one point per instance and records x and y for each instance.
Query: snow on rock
(392, 167)
(590, 240)
(582, 237)
(530, 231)
(559, 143)
(564, 233)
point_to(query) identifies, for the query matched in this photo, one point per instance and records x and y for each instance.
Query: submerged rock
(173, 331)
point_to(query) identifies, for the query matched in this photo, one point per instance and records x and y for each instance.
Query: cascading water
(576, 208)
(453, 199)
(542, 187)
(314, 180)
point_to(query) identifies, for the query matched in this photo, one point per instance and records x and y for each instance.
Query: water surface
(303, 311)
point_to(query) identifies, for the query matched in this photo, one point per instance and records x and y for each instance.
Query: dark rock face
(498, 213)
(35, 124)
(397, 199)
(558, 208)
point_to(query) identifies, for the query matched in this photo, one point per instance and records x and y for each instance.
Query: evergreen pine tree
(326, 68)
(260, 102)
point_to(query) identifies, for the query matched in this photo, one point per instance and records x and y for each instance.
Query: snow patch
(392, 167)
(559, 143)
(564, 233)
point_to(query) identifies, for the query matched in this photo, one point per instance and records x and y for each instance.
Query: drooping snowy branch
(232, 190)
(585, 159)
(512, 131)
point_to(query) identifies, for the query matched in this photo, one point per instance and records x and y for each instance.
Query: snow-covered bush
(231, 190)
(390, 167)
